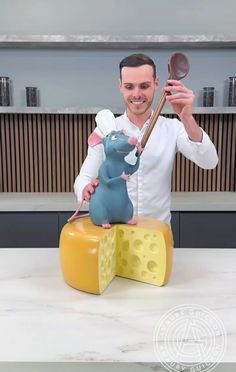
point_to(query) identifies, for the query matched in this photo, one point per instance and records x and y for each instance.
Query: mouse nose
(133, 141)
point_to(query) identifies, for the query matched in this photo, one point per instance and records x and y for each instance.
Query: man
(150, 187)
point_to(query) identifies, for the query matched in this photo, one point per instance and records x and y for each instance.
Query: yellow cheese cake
(92, 256)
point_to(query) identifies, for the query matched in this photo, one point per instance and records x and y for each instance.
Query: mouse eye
(114, 137)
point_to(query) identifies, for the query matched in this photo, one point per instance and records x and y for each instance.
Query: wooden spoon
(178, 68)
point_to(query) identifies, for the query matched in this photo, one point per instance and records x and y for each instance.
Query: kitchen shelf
(94, 110)
(49, 110)
(118, 41)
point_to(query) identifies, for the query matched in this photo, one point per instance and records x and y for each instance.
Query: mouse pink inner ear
(94, 139)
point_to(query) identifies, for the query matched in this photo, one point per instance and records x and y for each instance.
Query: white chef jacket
(149, 187)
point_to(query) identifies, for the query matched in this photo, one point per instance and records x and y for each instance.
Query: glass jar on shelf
(5, 91)
(208, 96)
(232, 91)
(32, 96)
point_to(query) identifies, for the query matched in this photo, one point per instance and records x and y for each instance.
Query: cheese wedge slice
(91, 256)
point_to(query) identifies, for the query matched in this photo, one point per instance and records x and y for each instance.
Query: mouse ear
(105, 121)
(95, 138)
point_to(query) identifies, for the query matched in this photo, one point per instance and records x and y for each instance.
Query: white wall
(85, 78)
(90, 78)
(117, 16)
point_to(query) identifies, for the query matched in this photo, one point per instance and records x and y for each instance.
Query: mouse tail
(76, 214)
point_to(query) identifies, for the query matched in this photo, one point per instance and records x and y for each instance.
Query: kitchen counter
(36, 219)
(43, 319)
(181, 201)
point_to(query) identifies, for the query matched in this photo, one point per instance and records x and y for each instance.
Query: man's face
(137, 85)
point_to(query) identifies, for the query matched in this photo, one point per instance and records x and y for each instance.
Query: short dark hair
(136, 60)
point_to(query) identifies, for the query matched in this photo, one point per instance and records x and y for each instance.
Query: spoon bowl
(178, 66)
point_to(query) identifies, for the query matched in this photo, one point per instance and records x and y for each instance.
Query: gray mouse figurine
(110, 203)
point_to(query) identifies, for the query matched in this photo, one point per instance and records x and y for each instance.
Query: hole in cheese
(152, 266)
(154, 248)
(135, 261)
(138, 244)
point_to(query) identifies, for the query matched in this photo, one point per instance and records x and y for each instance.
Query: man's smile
(136, 103)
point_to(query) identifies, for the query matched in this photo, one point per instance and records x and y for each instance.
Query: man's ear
(120, 84)
(157, 82)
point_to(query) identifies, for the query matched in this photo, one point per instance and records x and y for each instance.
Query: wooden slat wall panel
(44, 152)
(187, 176)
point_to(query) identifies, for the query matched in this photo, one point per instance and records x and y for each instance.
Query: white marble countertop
(43, 319)
(181, 201)
(97, 367)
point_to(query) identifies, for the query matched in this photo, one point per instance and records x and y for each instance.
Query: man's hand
(181, 99)
(90, 189)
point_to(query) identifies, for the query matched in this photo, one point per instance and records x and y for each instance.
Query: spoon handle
(153, 119)
(178, 68)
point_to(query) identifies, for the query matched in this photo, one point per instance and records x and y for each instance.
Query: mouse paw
(139, 148)
(125, 176)
(132, 222)
(106, 225)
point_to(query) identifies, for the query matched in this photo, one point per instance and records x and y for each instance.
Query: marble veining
(42, 319)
